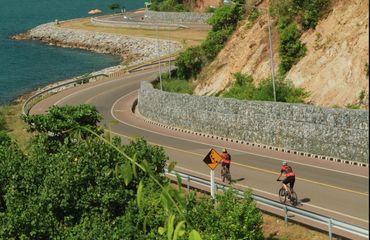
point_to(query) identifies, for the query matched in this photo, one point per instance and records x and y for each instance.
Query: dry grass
(274, 229)
(16, 126)
(188, 37)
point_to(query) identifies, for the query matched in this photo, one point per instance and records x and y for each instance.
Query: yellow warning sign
(212, 159)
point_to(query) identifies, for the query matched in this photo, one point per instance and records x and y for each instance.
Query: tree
(114, 6)
(189, 63)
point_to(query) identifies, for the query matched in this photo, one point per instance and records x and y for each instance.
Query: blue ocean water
(26, 65)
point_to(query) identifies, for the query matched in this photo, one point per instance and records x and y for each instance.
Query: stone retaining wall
(340, 133)
(176, 17)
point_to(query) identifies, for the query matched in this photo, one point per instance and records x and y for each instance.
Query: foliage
(60, 120)
(175, 84)
(312, 11)
(253, 15)
(306, 13)
(167, 5)
(2, 122)
(290, 47)
(223, 21)
(228, 218)
(215, 42)
(226, 16)
(114, 6)
(244, 89)
(189, 63)
(95, 190)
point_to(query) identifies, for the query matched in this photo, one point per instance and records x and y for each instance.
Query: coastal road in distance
(332, 189)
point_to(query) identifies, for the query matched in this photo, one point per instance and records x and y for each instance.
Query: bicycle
(225, 174)
(283, 195)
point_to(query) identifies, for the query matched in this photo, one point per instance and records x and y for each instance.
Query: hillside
(333, 70)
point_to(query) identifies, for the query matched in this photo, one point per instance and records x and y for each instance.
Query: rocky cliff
(333, 70)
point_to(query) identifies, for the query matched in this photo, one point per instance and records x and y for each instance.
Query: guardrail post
(286, 216)
(330, 224)
(188, 184)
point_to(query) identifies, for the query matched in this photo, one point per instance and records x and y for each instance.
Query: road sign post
(213, 183)
(212, 159)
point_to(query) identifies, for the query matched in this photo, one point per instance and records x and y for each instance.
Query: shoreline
(23, 97)
(131, 50)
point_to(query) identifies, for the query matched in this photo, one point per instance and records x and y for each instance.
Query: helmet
(224, 150)
(284, 163)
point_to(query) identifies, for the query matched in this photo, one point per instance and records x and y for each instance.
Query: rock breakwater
(132, 50)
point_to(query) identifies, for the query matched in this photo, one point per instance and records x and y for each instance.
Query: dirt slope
(333, 70)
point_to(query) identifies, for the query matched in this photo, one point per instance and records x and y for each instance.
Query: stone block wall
(339, 133)
(176, 17)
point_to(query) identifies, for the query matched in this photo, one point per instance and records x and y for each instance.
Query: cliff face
(333, 70)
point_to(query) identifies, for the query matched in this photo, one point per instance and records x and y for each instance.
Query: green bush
(231, 218)
(312, 11)
(177, 86)
(290, 47)
(215, 42)
(167, 6)
(189, 63)
(92, 190)
(244, 89)
(226, 16)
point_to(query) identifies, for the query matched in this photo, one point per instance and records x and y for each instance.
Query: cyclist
(289, 177)
(226, 160)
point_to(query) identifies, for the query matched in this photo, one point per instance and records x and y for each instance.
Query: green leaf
(134, 170)
(126, 172)
(171, 220)
(171, 166)
(179, 181)
(139, 195)
(179, 230)
(164, 201)
(194, 235)
(161, 230)
(145, 165)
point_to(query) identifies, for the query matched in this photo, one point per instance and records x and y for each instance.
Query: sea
(28, 65)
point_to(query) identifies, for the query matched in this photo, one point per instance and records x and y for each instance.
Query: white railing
(328, 221)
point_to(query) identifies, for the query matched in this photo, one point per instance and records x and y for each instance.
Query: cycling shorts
(290, 180)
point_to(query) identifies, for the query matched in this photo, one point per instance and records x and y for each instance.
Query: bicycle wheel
(294, 199)
(282, 196)
(228, 175)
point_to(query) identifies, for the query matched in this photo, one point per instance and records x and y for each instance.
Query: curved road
(332, 189)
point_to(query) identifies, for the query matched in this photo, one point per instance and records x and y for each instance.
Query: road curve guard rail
(57, 88)
(323, 220)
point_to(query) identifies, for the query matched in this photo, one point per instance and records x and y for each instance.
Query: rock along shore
(132, 50)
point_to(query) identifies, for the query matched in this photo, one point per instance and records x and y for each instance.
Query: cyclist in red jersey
(226, 159)
(225, 163)
(289, 176)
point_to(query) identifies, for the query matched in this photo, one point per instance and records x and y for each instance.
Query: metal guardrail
(26, 106)
(329, 222)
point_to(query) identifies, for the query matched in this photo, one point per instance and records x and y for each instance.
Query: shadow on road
(305, 200)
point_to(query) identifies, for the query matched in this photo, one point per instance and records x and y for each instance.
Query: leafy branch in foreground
(80, 187)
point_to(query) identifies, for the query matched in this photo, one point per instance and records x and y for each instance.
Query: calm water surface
(26, 65)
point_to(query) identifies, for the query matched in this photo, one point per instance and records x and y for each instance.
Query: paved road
(332, 189)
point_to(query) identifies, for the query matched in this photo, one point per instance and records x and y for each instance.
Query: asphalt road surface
(332, 189)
